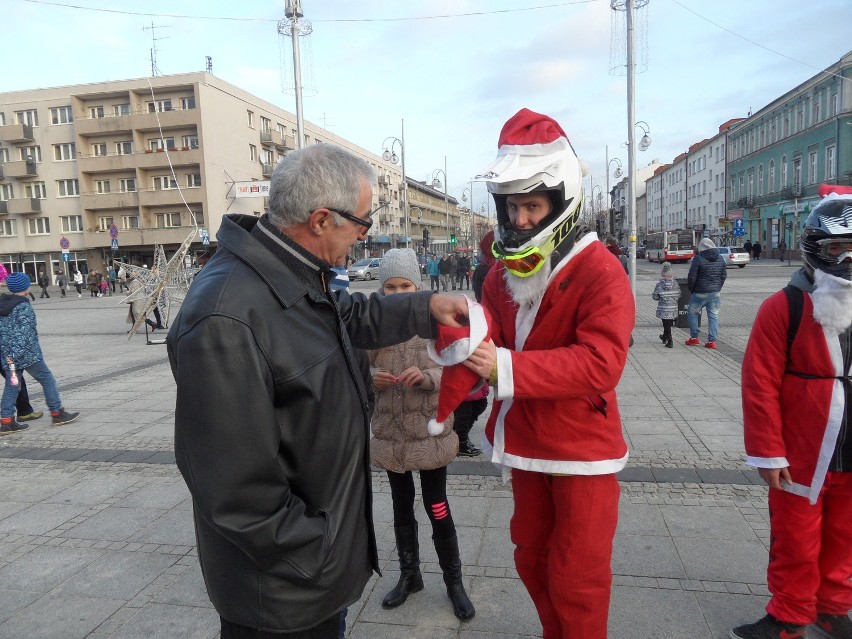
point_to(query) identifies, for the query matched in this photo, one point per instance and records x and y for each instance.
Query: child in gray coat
(667, 293)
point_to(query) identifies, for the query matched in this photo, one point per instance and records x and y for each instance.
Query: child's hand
(383, 379)
(411, 377)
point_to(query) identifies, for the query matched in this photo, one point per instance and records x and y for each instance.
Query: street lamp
(436, 184)
(420, 213)
(599, 197)
(470, 212)
(645, 142)
(388, 155)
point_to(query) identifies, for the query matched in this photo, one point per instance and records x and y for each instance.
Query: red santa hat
(452, 347)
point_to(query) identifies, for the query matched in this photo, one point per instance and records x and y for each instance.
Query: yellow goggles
(524, 264)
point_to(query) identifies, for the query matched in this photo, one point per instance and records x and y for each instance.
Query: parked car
(734, 256)
(640, 252)
(365, 269)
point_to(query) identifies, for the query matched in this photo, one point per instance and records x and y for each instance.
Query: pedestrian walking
(705, 281)
(445, 268)
(562, 313)
(43, 283)
(464, 271)
(782, 248)
(62, 282)
(93, 284)
(667, 294)
(757, 249)
(20, 351)
(78, 282)
(747, 246)
(272, 420)
(112, 277)
(797, 404)
(486, 261)
(434, 273)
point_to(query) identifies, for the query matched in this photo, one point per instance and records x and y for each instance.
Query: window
(124, 148)
(96, 111)
(104, 223)
(164, 182)
(71, 223)
(130, 222)
(127, 185)
(158, 144)
(817, 104)
(168, 220)
(61, 115)
(760, 180)
(35, 190)
(835, 103)
(250, 118)
(2, 119)
(265, 124)
(102, 186)
(812, 167)
(190, 141)
(31, 153)
(4, 153)
(830, 170)
(99, 149)
(252, 153)
(63, 152)
(7, 228)
(187, 103)
(38, 226)
(783, 171)
(160, 105)
(771, 185)
(68, 188)
(268, 157)
(797, 173)
(120, 109)
(30, 118)
(7, 192)
(193, 180)
(742, 186)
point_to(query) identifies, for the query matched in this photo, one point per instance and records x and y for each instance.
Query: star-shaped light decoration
(165, 283)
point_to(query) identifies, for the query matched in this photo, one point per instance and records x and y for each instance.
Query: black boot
(448, 559)
(410, 579)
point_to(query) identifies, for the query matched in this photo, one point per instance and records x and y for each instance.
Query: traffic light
(425, 236)
(369, 242)
(453, 238)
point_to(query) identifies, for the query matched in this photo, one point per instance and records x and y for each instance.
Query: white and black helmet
(826, 240)
(535, 156)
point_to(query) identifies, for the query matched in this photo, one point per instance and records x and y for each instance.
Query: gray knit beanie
(666, 270)
(705, 244)
(400, 263)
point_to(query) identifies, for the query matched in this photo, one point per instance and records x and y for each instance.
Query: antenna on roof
(155, 70)
(209, 64)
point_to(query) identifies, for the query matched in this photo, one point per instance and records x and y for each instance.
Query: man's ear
(319, 221)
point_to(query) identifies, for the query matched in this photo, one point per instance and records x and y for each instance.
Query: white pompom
(584, 167)
(435, 428)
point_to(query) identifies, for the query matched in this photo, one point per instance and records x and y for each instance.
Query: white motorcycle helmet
(535, 156)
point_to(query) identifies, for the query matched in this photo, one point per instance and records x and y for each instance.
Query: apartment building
(108, 170)
(778, 156)
(620, 219)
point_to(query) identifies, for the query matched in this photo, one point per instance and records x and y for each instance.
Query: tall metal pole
(607, 183)
(405, 209)
(631, 148)
(446, 202)
(293, 10)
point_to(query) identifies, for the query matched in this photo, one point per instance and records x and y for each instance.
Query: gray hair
(318, 176)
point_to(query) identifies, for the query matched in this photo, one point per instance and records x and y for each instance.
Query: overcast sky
(455, 80)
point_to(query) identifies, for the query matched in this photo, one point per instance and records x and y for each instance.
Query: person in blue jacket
(705, 280)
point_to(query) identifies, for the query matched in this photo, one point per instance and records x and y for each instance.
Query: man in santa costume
(562, 314)
(798, 433)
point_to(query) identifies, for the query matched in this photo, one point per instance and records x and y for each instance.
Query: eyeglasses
(522, 264)
(365, 222)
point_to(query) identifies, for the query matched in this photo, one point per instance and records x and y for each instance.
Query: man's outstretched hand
(446, 309)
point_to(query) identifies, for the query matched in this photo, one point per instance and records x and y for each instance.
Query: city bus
(677, 245)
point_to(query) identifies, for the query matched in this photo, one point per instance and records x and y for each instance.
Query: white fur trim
(460, 350)
(767, 462)
(505, 377)
(435, 427)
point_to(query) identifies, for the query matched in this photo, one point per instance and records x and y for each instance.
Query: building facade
(95, 172)
(778, 156)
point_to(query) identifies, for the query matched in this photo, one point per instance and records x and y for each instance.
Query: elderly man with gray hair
(271, 421)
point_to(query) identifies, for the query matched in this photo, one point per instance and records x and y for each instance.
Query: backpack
(795, 304)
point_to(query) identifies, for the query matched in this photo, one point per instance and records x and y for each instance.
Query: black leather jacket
(707, 272)
(272, 429)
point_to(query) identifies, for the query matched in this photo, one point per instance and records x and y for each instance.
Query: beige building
(143, 157)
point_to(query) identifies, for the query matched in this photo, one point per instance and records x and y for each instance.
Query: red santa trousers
(563, 527)
(810, 552)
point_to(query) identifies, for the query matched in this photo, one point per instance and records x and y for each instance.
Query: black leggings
(466, 415)
(667, 328)
(433, 483)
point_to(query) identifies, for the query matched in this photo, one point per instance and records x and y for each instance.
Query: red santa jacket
(789, 420)
(555, 409)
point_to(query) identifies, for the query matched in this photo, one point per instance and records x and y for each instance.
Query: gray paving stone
(45, 567)
(133, 456)
(158, 620)
(645, 556)
(115, 524)
(13, 600)
(706, 522)
(187, 589)
(121, 575)
(640, 519)
(173, 527)
(676, 475)
(39, 518)
(92, 491)
(101, 455)
(647, 612)
(737, 560)
(58, 617)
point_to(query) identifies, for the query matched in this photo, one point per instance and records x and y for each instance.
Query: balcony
(24, 206)
(106, 163)
(137, 237)
(266, 170)
(16, 133)
(169, 197)
(271, 138)
(109, 201)
(103, 126)
(165, 119)
(19, 169)
(4, 207)
(288, 143)
(154, 159)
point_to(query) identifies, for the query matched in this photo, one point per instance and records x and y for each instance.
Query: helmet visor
(834, 250)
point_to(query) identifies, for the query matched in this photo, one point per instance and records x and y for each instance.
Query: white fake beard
(832, 298)
(528, 290)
